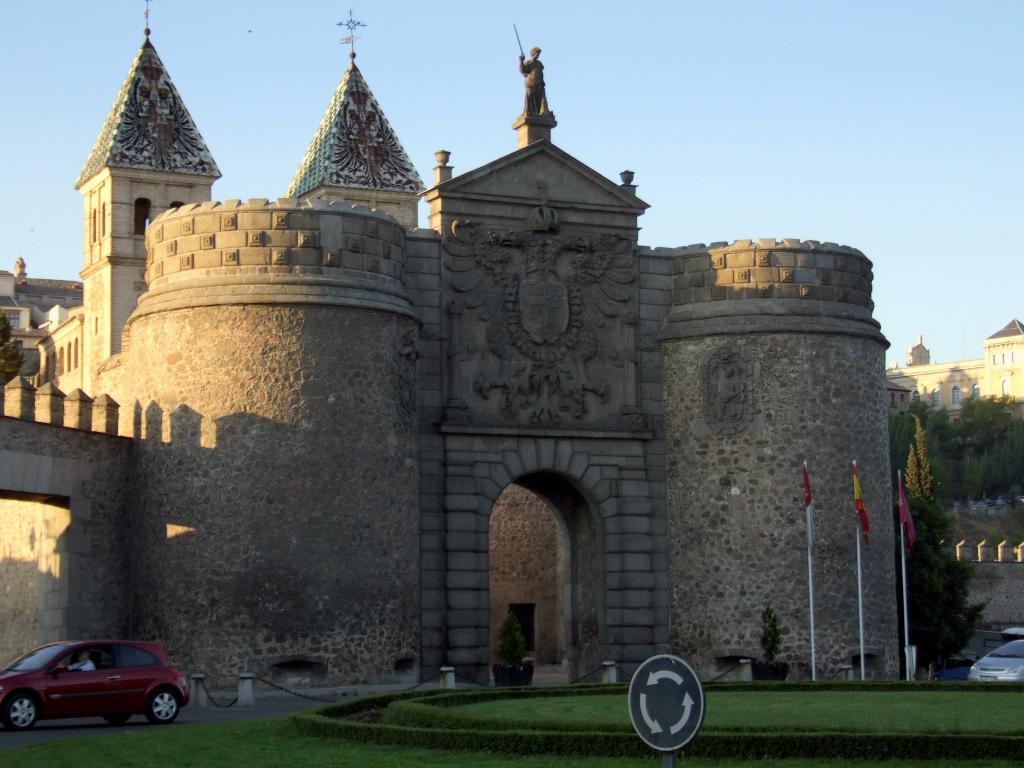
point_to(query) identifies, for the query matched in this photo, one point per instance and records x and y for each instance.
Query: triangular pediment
(541, 170)
(149, 127)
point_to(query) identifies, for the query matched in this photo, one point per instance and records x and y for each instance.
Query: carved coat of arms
(545, 299)
(728, 379)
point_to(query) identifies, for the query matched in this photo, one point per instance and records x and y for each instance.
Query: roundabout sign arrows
(666, 703)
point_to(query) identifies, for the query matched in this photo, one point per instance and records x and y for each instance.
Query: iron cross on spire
(146, 29)
(352, 25)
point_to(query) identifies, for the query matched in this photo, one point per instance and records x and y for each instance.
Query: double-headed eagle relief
(156, 130)
(550, 306)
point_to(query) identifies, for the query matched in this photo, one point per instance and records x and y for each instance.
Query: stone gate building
(335, 447)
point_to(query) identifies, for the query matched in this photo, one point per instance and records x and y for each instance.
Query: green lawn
(847, 711)
(274, 743)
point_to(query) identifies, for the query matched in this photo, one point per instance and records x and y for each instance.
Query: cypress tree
(920, 482)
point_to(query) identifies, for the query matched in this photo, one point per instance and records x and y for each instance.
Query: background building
(999, 372)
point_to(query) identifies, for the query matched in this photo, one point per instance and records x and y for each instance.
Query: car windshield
(1012, 650)
(37, 659)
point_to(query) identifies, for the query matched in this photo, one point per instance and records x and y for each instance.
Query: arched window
(936, 398)
(976, 391)
(76, 353)
(956, 395)
(1006, 386)
(92, 226)
(142, 206)
(103, 220)
(60, 361)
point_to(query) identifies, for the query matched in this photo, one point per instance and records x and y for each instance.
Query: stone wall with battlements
(269, 374)
(65, 496)
(772, 358)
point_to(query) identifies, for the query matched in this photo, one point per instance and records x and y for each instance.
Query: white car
(1004, 664)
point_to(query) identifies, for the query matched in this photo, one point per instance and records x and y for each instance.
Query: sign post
(666, 705)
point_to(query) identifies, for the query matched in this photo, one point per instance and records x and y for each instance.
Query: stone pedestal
(533, 128)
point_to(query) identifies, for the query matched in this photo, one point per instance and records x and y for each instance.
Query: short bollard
(197, 690)
(246, 698)
(609, 672)
(746, 671)
(448, 678)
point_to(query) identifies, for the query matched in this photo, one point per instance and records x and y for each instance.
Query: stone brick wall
(1001, 587)
(33, 574)
(527, 562)
(759, 377)
(276, 518)
(64, 499)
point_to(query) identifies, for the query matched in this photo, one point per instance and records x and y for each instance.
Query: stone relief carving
(156, 130)
(544, 298)
(728, 385)
(406, 353)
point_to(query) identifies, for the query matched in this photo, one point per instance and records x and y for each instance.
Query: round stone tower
(772, 358)
(272, 370)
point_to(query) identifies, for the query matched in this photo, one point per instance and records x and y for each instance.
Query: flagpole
(810, 589)
(860, 604)
(810, 582)
(903, 564)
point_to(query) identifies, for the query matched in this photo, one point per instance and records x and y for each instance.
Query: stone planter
(513, 674)
(763, 671)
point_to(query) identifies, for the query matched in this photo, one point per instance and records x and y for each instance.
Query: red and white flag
(858, 503)
(905, 519)
(809, 506)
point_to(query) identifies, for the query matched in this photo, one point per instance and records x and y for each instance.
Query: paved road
(51, 730)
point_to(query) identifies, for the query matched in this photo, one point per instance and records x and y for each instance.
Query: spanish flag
(858, 502)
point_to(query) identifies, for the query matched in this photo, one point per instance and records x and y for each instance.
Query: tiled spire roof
(1012, 328)
(355, 146)
(149, 126)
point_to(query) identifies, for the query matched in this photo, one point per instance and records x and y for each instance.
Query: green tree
(941, 620)
(771, 638)
(11, 356)
(511, 641)
(919, 466)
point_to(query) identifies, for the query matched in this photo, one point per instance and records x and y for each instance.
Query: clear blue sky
(894, 127)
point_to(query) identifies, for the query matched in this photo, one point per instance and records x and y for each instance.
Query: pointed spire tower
(356, 157)
(149, 156)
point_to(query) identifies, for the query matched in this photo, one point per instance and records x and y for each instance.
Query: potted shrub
(511, 669)
(771, 668)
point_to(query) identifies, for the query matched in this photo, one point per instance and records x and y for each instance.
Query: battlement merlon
(49, 405)
(770, 286)
(288, 251)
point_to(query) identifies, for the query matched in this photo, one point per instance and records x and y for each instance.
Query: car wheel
(20, 711)
(117, 719)
(162, 707)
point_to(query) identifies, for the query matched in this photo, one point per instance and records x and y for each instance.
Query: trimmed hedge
(428, 719)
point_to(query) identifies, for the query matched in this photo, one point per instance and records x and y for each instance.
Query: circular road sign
(666, 702)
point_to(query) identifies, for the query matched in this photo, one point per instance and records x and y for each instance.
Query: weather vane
(146, 14)
(352, 25)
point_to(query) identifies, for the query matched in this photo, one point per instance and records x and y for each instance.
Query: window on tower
(142, 206)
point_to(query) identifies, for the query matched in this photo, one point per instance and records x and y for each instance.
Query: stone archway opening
(545, 569)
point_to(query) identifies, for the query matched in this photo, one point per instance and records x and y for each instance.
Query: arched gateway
(542, 343)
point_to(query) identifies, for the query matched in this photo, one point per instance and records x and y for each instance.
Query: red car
(112, 679)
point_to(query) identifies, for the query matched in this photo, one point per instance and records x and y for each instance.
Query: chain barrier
(467, 681)
(729, 671)
(582, 677)
(311, 697)
(209, 697)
